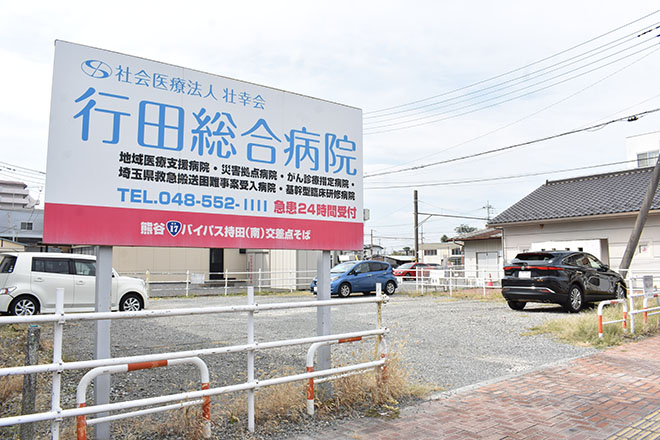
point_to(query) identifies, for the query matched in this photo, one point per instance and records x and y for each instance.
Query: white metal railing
(452, 278)
(81, 392)
(166, 402)
(623, 320)
(160, 282)
(646, 290)
(639, 286)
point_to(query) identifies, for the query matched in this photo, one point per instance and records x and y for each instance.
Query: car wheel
(575, 300)
(345, 290)
(24, 306)
(516, 305)
(620, 291)
(130, 303)
(390, 288)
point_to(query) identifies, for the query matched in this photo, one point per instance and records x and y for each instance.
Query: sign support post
(102, 332)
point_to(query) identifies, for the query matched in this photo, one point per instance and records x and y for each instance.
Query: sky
(436, 81)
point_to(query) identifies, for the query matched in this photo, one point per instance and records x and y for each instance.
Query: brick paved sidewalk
(613, 394)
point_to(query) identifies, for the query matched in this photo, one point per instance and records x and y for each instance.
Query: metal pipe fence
(641, 285)
(452, 278)
(226, 282)
(172, 401)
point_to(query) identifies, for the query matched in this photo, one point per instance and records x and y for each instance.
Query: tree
(406, 250)
(464, 229)
(444, 238)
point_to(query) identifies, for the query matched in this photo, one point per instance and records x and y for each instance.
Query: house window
(430, 252)
(457, 251)
(26, 226)
(647, 159)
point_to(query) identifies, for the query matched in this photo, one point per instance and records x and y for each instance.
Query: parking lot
(445, 342)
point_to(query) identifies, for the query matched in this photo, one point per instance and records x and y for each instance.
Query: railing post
(250, 359)
(450, 279)
(58, 332)
(225, 274)
(187, 282)
(259, 280)
(379, 315)
(147, 279)
(30, 380)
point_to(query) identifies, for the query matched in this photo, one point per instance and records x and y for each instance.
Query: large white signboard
(143, 153)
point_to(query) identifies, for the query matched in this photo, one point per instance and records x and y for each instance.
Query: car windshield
(343, 267)
(405, 266)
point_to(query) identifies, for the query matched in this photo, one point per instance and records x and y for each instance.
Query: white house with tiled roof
(593, 213)
(482, 251)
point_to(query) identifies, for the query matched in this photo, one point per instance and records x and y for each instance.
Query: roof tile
(610, 193)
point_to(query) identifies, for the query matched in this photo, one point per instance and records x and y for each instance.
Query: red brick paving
(594, 397)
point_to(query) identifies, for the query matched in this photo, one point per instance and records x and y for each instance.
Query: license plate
(524, 274)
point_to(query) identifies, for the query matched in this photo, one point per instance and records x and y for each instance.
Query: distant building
(6, 245)
(444, 254)
(15, 195)
(25, 226)
(593, 214)
(642, 149)
(483, 253)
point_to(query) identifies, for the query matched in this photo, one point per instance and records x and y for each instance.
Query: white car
(28, 281)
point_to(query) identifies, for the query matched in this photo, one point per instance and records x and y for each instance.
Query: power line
(536, 113)
(514, 70)
(523, 78)
(17, 167)
(490, 179)
(630, 118)
(453, 216)
(452, 116)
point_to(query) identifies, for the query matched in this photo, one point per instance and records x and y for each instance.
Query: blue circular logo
(96, 69)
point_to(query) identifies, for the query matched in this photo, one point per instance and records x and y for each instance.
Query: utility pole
(372, 244)
(633, 241)
(488, 208)
(416, 226)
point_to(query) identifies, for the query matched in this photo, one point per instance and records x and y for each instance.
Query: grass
(582, 328)
(278, 408)
(371, 393)
(474, 294)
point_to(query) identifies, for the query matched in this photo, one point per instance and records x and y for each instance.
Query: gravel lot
(445, 342)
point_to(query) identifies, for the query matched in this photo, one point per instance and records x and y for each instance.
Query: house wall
(291, 269)
(171, 264)
(11, 245)
(10, 224)
(641, 143)
(616, 231)
(472, 247)
(443, 252)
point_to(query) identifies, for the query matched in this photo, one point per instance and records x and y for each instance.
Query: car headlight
(334, 278)
(7, 290)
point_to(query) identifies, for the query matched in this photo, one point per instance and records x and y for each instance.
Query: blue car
(359, 276)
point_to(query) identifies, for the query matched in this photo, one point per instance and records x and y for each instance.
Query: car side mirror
(605, 267)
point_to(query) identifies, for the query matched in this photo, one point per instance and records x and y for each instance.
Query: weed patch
(582, 328)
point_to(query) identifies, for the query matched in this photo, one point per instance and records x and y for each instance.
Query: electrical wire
(397, 126)
(490, 179)
(629, 118)
(519, 80)
(536, 113)
(517, 69)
